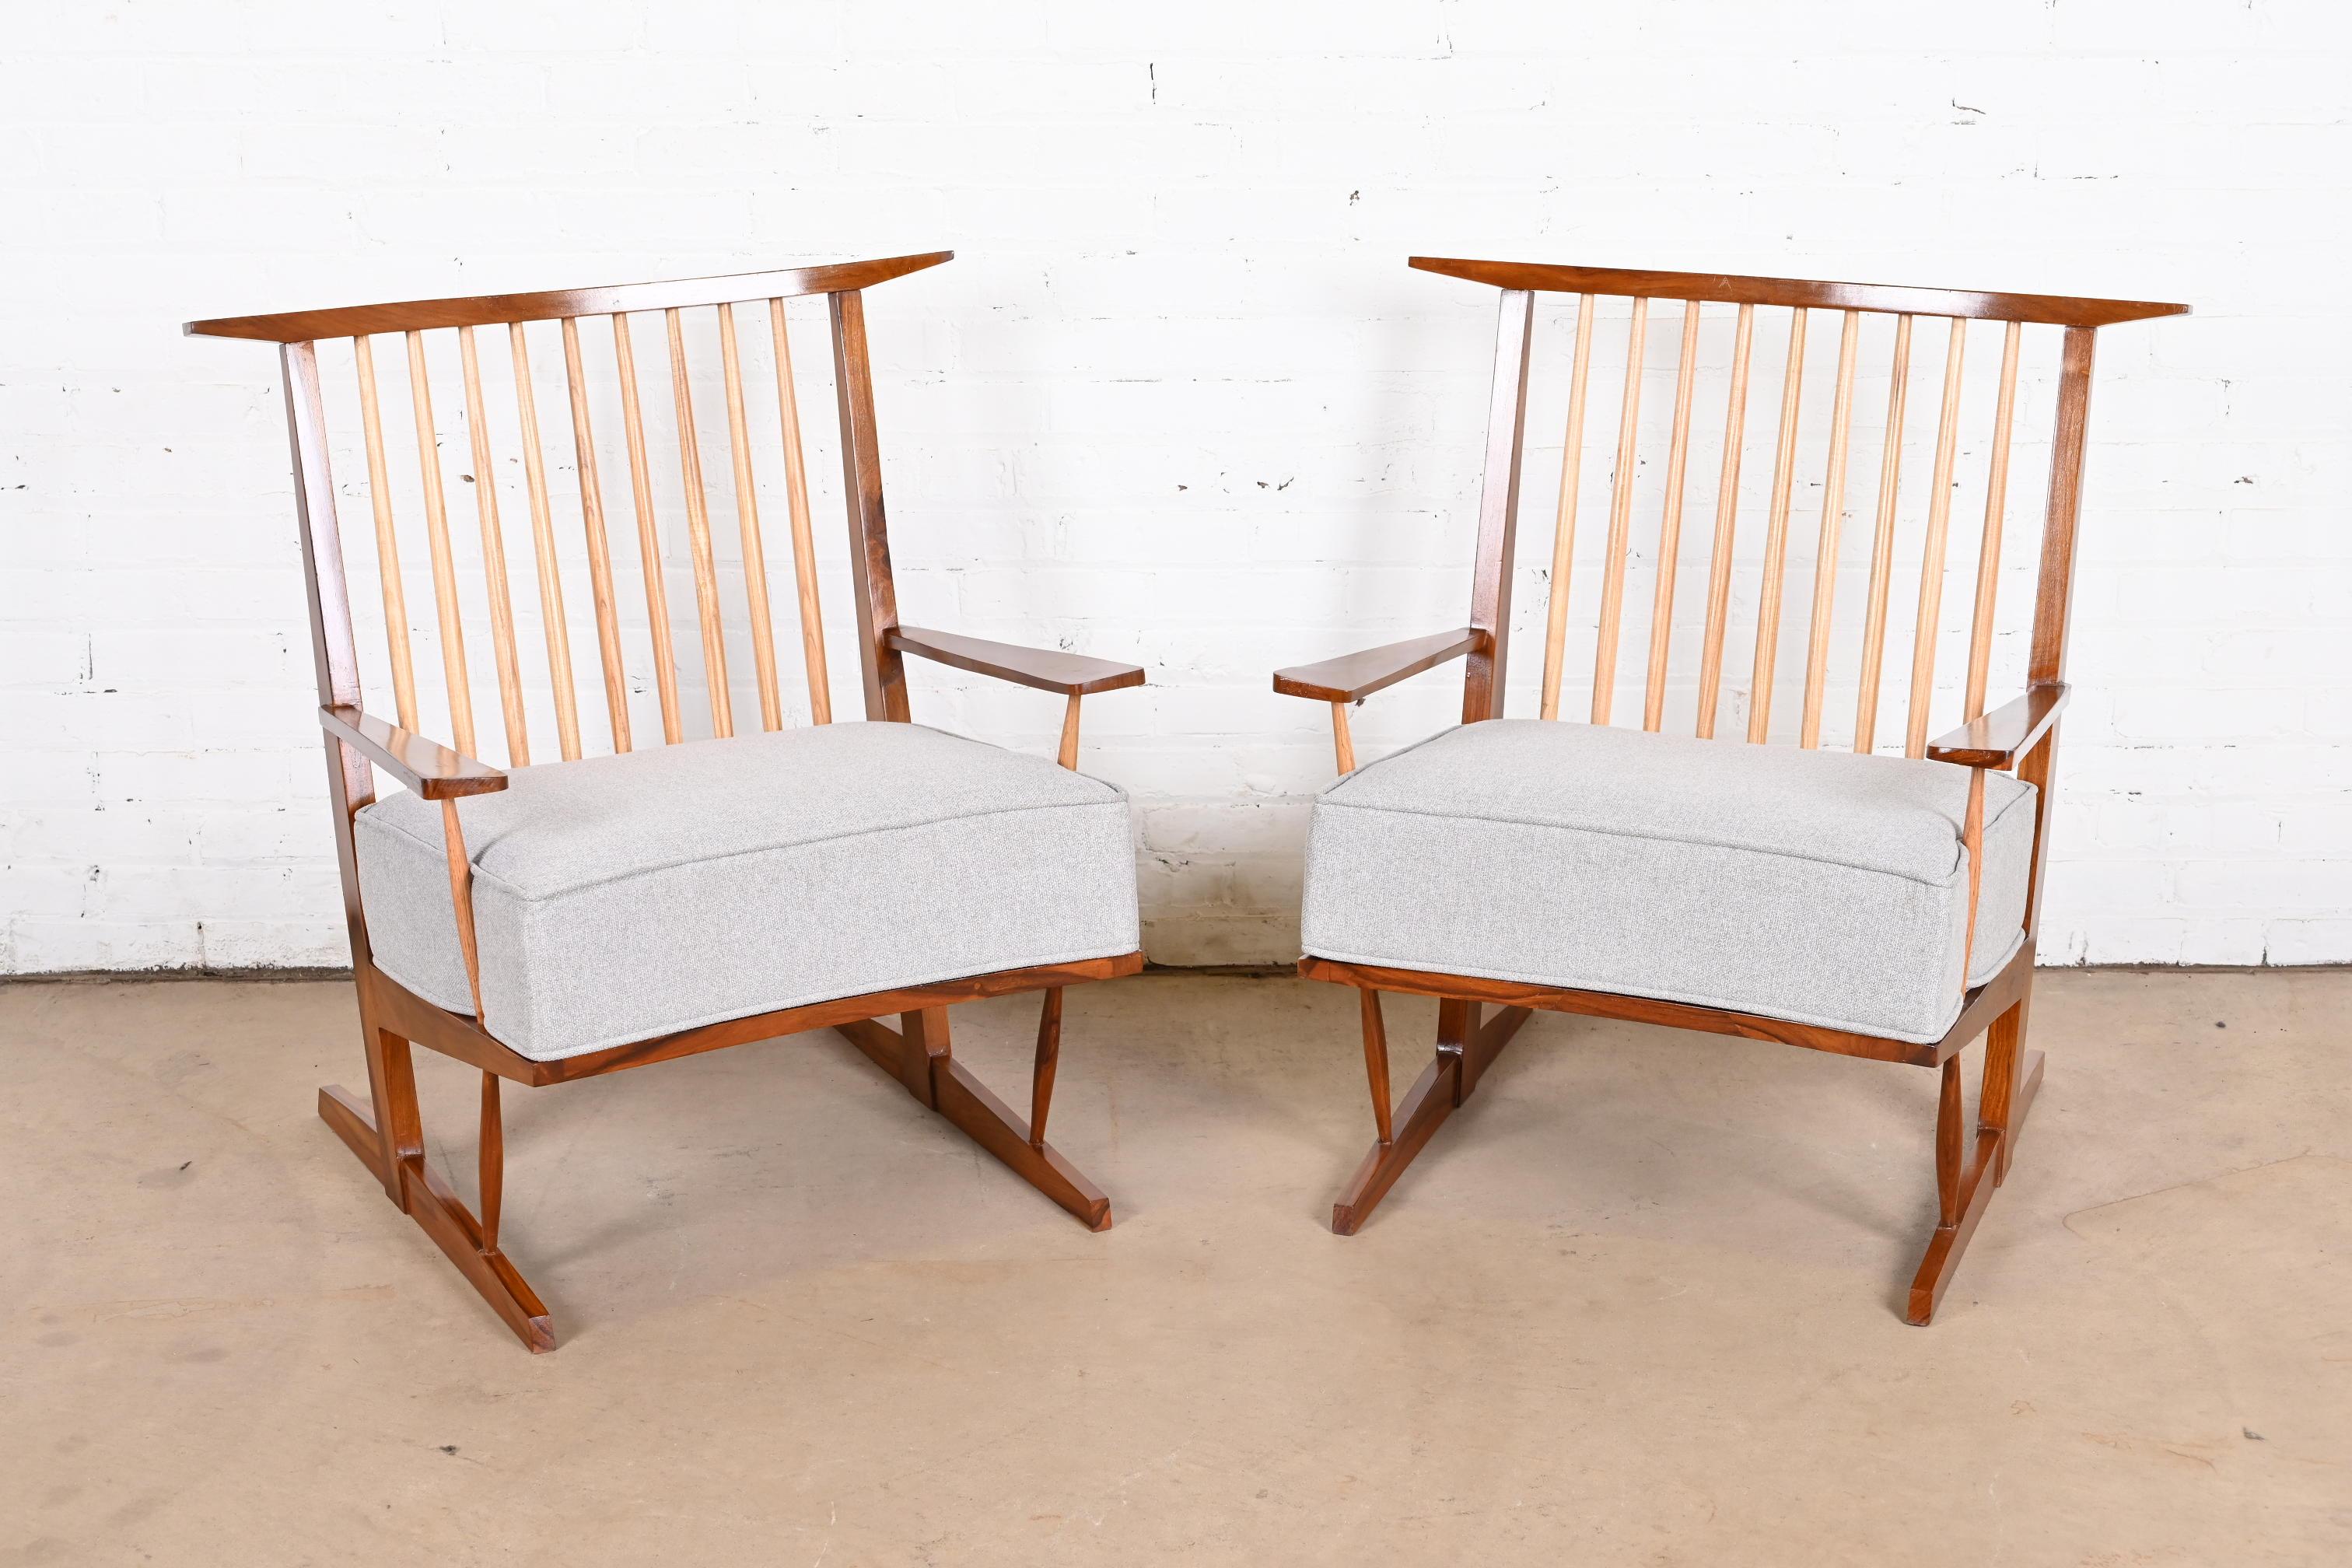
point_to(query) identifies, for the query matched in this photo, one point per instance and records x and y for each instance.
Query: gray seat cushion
(620, 898)
(1820, 887)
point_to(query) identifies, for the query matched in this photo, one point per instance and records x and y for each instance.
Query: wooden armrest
(1354, 675)
(2007, 733)
(428, 767)
(1071, 673)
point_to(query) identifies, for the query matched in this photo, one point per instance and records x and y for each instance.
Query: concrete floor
(1638, 1304)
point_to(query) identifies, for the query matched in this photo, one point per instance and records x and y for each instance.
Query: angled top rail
(2057, 310)
(490, 310)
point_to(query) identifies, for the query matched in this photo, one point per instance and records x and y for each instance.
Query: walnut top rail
(488, 310)
(2057, 310)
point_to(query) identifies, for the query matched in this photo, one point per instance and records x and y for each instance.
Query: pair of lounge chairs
(550, 923)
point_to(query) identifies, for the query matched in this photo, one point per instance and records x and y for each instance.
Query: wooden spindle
(1343, 741)
(461, 901)
(1727, 516)
(1988, 554)
(697, 535)
(747, 518)
(1931, 564)
(1067, 754)
(542, 544)
(437, 538)
(788, 414)
(1563, 534)
(1825, 552)
(1620, 519)
(494, 559)
(1670, 527)
(1776, 536)
(387, 545)
(1972, 840)
(650, 551)
(600, 556)
(1881, 544)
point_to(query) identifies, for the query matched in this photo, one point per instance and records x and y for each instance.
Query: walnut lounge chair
(1875, 906)
(559, 920)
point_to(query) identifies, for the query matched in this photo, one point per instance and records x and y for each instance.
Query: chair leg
(952, 1091)
(470, 1243)
(1376, 1060)
(1996, 1105)
(1967, 1171)
(1049, 1056)
(391, 1084)
(924, 1037)
(1464, 1052)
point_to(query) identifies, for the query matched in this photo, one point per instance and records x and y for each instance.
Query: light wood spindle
(697, 535)
(1620, 519)
(437, 538)
(1776, 536)
(1931, 564)
(461, 900)
(649, 549)
(1996, 503)
(1972, 839)
(788, 414)
(1825, 552)
(1670, 527)
(1563, 535)
(1343, 741)
(542, 542)
(1881, 544)
(1726, 517)
(600, 555)
(494, 559)
(387, 545)
(747, 518)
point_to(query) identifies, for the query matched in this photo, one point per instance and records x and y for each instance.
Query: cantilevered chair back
(425, 330)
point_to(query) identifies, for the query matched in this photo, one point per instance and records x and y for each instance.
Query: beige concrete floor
(1638, 1304)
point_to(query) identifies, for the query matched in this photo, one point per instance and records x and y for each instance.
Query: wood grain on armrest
(428, 767)
(1354, 675)
(2002, 736)
(1072, 674)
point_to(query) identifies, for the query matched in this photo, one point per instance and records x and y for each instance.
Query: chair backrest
(1507, 435)
(301, 333)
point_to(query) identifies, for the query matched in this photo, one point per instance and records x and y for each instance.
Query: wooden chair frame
(2020, 735)
(384, 1131)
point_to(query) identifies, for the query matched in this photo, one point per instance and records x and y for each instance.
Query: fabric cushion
(620, 898)
(1820, 887)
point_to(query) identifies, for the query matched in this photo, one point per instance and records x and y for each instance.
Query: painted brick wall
(1179, 399)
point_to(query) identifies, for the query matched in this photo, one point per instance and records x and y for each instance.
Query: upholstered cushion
(1816, 886)
(620, 898)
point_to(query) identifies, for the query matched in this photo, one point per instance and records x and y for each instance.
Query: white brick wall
(1180, 398)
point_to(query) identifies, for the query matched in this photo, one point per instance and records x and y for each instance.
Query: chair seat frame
(384, 1130)
(2021, 736)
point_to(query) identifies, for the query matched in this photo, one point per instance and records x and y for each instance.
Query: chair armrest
(428, 767)
(1071, 673)
(2002, 737)
(1354, 675)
